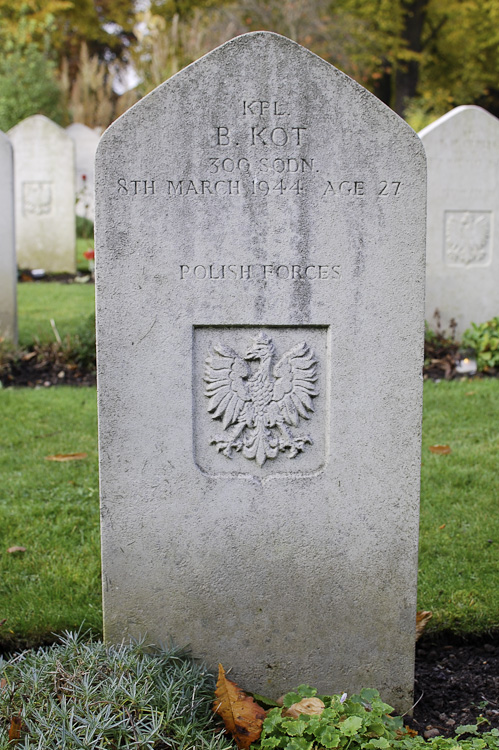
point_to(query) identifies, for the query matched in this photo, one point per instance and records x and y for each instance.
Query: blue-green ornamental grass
(83, 695)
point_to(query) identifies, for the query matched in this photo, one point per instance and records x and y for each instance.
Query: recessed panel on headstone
(260, 248)
(8, 270)
(86, 141)
(45, 195)
(462, 256)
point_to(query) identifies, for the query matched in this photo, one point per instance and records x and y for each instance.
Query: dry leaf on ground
(66, 457)
(308, 706)
(242, 717)
(15, 728)
(440, 449)
(423, 617)
(13, 550)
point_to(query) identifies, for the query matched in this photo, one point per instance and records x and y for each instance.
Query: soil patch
(456, 681)
(39, 370)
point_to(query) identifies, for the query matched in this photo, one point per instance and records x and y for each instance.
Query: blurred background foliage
(89, 60)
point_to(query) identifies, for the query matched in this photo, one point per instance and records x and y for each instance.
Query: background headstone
(45, 195)
(260, 248)
(462, 257)
(8, 271)
(86, 141)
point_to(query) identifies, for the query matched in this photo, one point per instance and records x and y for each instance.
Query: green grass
(459, 536)
(38, 302)
(52, 510)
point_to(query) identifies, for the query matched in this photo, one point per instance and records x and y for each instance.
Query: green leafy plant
(361, 721)
(82, 346)
(482, 741)
(483, 338)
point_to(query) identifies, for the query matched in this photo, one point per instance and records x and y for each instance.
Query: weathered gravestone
(260, 250)
(45, 195)
(462, 276)
(86, 141)
(8, 271)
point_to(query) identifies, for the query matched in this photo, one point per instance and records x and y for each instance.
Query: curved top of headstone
(79, 131)
(5, 141)
(466, 118)
(267, 58)
(37, 125)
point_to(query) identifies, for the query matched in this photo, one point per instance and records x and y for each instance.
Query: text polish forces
(257, 271)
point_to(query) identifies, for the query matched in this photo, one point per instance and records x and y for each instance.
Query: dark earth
(456, 681)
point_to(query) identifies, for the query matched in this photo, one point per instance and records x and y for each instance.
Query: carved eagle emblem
(257, 407)
(467, 236)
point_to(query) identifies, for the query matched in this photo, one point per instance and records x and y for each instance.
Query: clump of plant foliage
(82, 346)
(84, 694)
(358, 722)
(84, 228)
(483, 338)
(440, 349)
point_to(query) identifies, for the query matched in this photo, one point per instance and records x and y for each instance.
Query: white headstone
(462, 258)
(8, 271)
(86, 141)
(260, 247)
(45, 195)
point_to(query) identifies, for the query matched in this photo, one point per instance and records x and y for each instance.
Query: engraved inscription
(264, 155)
(257, 407)
(234, 271)
(36, 198)
(467, 237)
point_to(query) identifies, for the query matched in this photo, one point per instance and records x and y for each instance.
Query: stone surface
(45, 195)
(86, 141)
(260, 248)
(462, 256)
(8, 271)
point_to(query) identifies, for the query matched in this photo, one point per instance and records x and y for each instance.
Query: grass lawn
(459, 540)
(51, 509)
(38, 302)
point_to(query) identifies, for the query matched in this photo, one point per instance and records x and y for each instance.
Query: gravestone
(462, 257)
(8, 271)
(260, 273)
(45, 195)
(86, 141)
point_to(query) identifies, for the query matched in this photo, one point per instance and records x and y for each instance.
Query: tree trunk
(407, 74)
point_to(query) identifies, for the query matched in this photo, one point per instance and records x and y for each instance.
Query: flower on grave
(84, 177)
(89, 254)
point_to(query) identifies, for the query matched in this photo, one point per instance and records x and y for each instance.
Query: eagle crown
(262, 348)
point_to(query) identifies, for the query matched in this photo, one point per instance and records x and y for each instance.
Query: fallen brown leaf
(3, 683)
(66, 457)
(13, 550)
(442, 526)
(15, 728)
(308, 706)
(423, 617)
(470, 393)
(440, 449)
(242, 717)
(2, 622)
